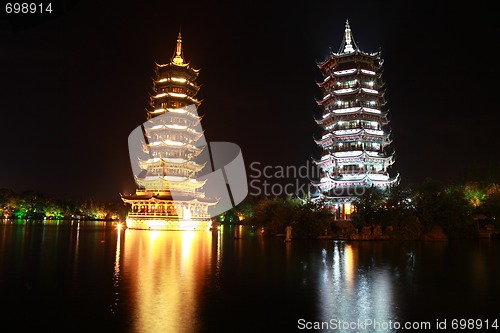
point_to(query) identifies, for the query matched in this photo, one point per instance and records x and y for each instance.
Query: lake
(72, 276)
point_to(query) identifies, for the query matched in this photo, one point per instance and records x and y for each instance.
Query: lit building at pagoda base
(169, 195)
(356, 139)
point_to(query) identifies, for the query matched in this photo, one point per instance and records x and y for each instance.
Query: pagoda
(169, 195)
(356, 139)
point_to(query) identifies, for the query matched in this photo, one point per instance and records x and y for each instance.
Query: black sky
(73, 87)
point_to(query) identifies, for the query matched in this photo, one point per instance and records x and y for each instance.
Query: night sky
(73, 87)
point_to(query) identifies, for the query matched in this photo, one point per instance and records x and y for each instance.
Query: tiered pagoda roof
(356, 138)
(169, 194)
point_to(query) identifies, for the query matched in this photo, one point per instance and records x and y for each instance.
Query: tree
(445, 206)
(8, 203)
(369, 206)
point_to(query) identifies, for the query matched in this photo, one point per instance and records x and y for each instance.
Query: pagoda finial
(348, 38)
(178, 56)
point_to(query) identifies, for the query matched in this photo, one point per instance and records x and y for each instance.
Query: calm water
(93, 277)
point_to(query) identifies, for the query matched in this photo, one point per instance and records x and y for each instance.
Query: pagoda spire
(356, 138)
(178, 56)
(349, 41)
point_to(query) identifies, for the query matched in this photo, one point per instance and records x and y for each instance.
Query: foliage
(307, 219)
(474, 194)
(445, 206)
(236, 214)
(491, 205)
(369, 207)
(34, 205)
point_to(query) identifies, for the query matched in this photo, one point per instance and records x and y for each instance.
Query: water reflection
(349, 290)
(166, 272)
(77, 274)
(116, 271)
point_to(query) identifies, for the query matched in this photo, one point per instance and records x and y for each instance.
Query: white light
(173, 143)
(187, 214)
(372, 110)
(177, 110)
(177, 95)
(344, 91)
(176, 126)
(160, 95)
(376, 132)
(347, 131)
(367, 72)
(371, 91)
(178, 79)
(345, 72)
(347, 110)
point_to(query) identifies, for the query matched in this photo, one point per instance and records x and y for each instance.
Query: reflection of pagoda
(355, 139)
(169, 196)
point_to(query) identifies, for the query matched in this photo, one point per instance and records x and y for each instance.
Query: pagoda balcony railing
(354, 107)
(355, 148)
(160, 214)
(363, 84)
(356, 171)
(355, 127)
(352, 71)
(165, 215)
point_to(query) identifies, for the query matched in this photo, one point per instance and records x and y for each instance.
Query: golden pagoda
(169, 195)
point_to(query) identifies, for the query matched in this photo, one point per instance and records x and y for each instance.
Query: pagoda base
(156, 223)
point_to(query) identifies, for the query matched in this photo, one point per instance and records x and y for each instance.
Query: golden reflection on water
(350, 264)
(166, 273)
(116, 273)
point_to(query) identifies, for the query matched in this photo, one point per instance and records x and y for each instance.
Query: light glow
(372, 110)
(371, 91)
(177, 126)
(345, 72)
(344, 91)
(365, 71)
(173, 143)
(177, 110)
(187, 214)
(177, 94)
